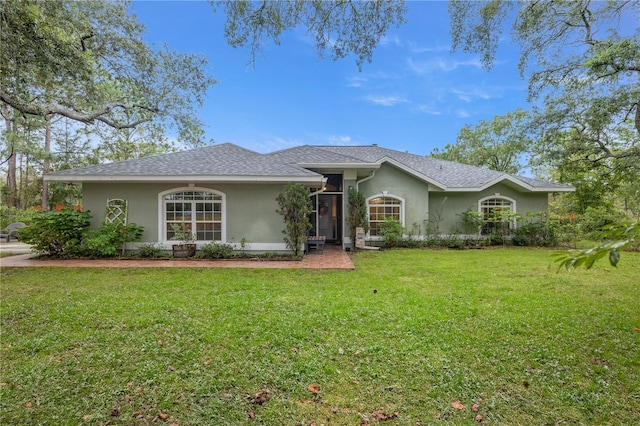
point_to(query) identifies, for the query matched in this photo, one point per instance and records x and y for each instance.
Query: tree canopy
(340, 27)
(87, 61)
(572, 50)
(498, 144)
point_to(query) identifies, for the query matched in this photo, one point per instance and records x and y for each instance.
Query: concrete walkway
(333, 257)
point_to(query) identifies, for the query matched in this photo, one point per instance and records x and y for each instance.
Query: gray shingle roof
(229, 161)
(217, 160)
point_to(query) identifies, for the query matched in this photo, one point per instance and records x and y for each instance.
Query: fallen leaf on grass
(115, 412)
(207, 362)
(457, 405)
(86, 417)
(381, 415)
(252, 415)
(29, 404)
(314, 388)
(637, 329)
(260, 398)
(172, 368)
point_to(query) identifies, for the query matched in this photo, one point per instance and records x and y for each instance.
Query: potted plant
(187, 247)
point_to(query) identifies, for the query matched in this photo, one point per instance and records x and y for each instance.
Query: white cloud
(462, 113)
(440, 64)
(394, 40)
(469, 96)
(389, 100)
(341, 140)
(415, 48)
(356, 81)
(426, 109)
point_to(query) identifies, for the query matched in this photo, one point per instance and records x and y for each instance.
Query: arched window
(381, 207)
(201, 209)
(496, 211)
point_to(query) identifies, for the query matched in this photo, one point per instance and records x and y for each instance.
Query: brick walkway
(333, 257)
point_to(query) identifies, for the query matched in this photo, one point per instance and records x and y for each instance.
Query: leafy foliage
(392, 231)
(88, 61)
(619, 237)
(497, 145)
(344, 28)
(216, 250)
(356, 214)
(57, 233)
(295, 208)
(151, 251)
(109, 238)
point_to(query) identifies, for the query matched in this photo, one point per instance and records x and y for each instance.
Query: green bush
(537, 234)
(392, 231)
(295, 207)
(109, 238)
(217, 251)
(151, 251)
(57, 233)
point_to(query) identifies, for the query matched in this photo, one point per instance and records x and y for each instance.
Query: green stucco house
(228, 193)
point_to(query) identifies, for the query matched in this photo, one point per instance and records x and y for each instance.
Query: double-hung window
(200, 210)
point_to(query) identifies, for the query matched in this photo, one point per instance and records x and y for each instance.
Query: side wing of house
(227, 213)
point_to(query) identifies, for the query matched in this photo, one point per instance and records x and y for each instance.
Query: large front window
(201, 211)
(497, 214)
(381, 208)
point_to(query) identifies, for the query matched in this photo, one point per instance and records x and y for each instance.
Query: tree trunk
(47, 163)
(12, 196)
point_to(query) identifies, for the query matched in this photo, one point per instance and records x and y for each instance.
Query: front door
(329, 217)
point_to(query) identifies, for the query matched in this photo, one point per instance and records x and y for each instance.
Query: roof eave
(306, 180)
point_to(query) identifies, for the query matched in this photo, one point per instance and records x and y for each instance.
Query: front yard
(411, 337)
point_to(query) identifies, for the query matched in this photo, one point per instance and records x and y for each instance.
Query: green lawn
(395, 342)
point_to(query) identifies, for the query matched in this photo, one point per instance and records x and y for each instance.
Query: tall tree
(87, 61)
(580, 58)
(340, 27)
(499, 144)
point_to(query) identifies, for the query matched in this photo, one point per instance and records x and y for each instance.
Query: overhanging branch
(88, 118)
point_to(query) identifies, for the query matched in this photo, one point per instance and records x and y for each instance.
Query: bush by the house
(109, 238)
(216, 250)
(392, 231)
(57, 233)
(151, 251)
(537, 234)
(65, 233)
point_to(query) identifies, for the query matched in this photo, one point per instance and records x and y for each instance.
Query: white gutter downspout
(358, 182)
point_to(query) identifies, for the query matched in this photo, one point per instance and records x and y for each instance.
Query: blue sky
(415, 96)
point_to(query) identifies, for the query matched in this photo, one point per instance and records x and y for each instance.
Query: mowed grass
(396, 341)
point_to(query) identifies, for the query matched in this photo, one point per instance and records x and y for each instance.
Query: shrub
(57, 233)
(106, 241)
(356, 214)
(151, 251)
(392, 231)
(534, 234)
(217, 251)
(295, 208)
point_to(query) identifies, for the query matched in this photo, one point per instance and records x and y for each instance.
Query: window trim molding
(385, 194)
(499, 196)
(162, 223)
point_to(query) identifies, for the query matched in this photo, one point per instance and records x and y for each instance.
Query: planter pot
(184, 250)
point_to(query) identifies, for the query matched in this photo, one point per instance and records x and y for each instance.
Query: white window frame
(497, 196)
(162, 222)
(384, 195)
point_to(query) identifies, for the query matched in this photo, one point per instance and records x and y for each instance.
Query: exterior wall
(398, 183)
(250, 210)
(446, 213)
